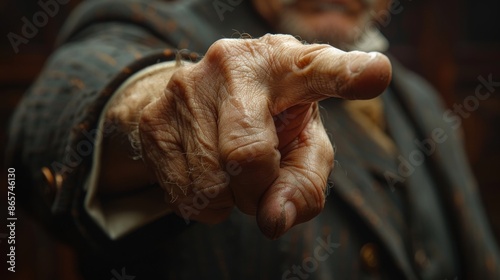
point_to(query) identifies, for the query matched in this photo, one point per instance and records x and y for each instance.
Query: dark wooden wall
(450, 43)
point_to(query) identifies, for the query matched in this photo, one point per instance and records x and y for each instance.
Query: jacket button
(421, 259)
(49, 178)
(52, 182)
(369, 257)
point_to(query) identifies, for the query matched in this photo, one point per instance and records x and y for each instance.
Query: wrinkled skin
(242, 128)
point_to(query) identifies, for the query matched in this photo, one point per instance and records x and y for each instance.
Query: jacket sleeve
(52, 132)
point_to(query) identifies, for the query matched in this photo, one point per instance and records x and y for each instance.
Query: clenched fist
(242, 128)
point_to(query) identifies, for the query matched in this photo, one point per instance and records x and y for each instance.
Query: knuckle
(152, 120)
(220, 50)
(181, 83)
(311, 195)
(191, 92)
(157, 116)
(308, 55)
(278, 39)
(255, 59)
(309, 66)
(253, 151)
(224, 63)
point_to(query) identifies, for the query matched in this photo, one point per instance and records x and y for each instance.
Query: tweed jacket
(415, 214)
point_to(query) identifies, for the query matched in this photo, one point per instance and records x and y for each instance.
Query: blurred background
(449, 42)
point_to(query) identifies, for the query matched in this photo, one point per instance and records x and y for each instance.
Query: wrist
(136, 93)
(120, 168)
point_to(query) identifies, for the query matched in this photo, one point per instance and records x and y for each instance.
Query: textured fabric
(388, 215)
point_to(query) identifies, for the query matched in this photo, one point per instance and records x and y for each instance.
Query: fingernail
(287, 219)
(274, 228)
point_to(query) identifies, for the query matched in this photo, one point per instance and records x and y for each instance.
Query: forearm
(54, 129)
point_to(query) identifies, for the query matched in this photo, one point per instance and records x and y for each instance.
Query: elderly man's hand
(242, 128)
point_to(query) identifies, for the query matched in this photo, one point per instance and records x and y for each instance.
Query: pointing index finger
(308, 73)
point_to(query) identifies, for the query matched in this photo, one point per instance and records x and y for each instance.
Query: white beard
(290, 22)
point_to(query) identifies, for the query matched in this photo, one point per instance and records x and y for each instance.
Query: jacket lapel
(357, 162)
(448, 162)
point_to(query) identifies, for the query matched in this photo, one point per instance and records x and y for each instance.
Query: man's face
(338, 22)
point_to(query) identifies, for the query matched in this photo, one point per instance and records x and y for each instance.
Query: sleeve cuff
(120, 215)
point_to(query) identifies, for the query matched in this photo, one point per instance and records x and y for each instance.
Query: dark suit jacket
(415, 215)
